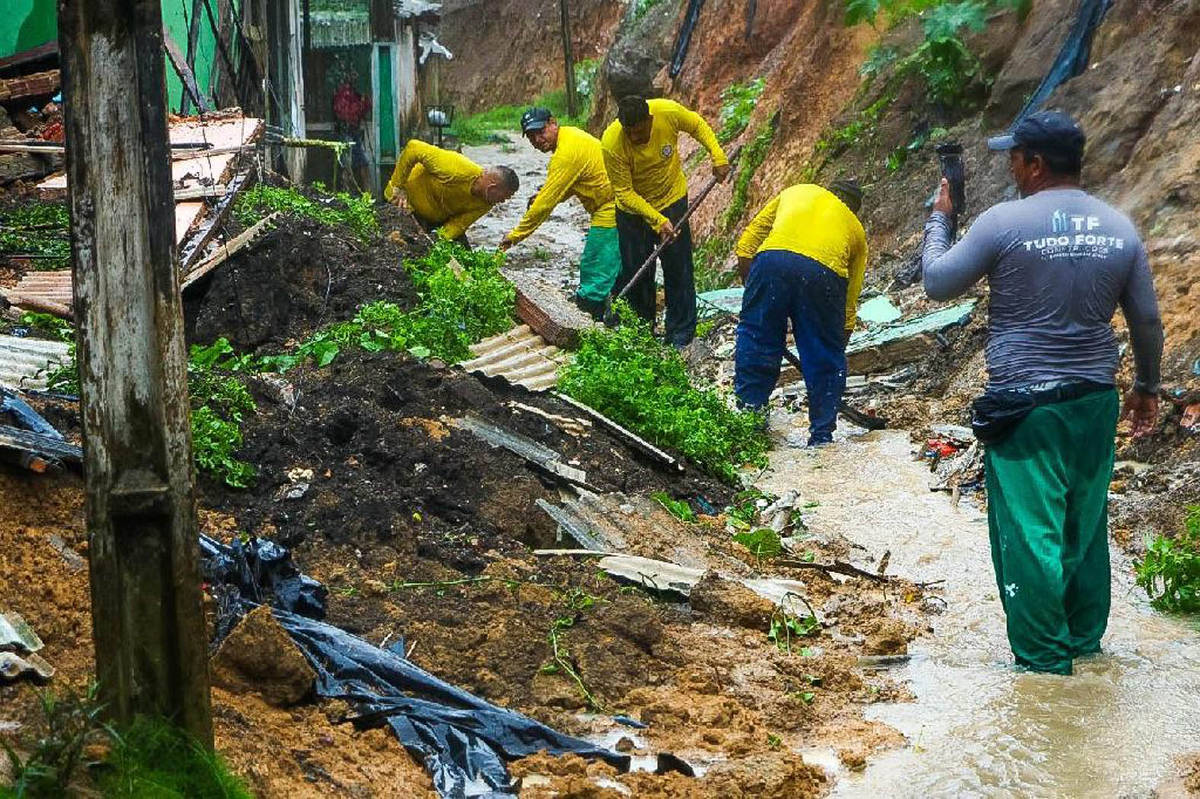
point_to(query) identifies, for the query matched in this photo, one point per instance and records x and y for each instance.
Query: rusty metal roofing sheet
(21, 360)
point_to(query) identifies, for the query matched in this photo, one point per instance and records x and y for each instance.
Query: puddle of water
(979, 727)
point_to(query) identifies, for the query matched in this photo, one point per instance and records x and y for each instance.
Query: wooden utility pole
(568, 57)
(147, 620)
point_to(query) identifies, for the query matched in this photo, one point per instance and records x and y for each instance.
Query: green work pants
(1047, 487)
(599, 264)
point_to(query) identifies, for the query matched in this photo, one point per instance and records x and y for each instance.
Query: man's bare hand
(943, 202)
(667, 232)
(399, 201)
(506, 245)
(1142, 412)
(721, 172)
(744, 268)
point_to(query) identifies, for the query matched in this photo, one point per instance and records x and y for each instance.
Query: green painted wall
(28, 23)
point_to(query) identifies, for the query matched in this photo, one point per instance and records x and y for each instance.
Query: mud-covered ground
(423, 532)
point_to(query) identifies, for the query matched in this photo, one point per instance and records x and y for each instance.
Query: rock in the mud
(725, 601)
(258, 656)
(632, 619)
(853, 758)
(781, 775)
(887, 637)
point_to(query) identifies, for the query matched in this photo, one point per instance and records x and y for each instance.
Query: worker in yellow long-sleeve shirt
(576, 168)
(641, 155)
(803, 257)
(446, 190)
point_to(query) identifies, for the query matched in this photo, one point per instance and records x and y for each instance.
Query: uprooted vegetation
(631, 377)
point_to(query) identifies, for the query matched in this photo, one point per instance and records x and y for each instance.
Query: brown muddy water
(978, 727)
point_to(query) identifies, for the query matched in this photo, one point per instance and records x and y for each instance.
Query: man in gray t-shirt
(1058, 263)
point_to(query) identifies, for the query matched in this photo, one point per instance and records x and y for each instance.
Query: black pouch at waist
(995, 414)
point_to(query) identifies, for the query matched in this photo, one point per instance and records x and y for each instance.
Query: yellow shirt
(649, 178)
(438, 184)
(812, 221)
(576, 168)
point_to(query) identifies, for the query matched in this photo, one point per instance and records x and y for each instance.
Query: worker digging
(641, 155)
(802, 258)
(576, 169)
(445, 190)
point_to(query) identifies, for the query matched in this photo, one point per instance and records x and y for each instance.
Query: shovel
(860, 418)
(610, 316)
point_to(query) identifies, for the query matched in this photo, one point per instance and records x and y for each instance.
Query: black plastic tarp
(463, 741)
(1072, 57)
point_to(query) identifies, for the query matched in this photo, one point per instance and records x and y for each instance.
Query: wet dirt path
(978, 727)
(552, 252)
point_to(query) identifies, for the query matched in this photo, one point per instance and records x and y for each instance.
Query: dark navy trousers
(784, 285)
(637, 240)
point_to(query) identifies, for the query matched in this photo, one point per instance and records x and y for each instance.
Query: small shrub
(1170, 571)
(53, 759)
(738, 101)
(154, 759)
(640, 383)
(355, 213)
(219, 401)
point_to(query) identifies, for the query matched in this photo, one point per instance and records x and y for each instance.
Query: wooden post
(568, 57)
(147, 621)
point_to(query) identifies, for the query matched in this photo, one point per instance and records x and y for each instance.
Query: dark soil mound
(387, 464)
(297, 278)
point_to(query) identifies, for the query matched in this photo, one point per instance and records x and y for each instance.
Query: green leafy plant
(642, 384)
(763, 543)
(1170, 570)
(40, 230)
(51, 763)
(678, 508)
(219, 402)
(562, 661)
(640, 7)
(57, 328)
(743, 513)
(487, 126)
(738, 101)
(355, 213)
(787, 624)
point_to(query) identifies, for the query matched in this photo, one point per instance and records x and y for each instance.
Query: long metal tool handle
(662, 245)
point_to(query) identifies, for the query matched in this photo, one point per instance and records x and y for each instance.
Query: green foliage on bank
(629, 376)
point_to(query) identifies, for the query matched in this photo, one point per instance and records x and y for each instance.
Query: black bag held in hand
(950, 158)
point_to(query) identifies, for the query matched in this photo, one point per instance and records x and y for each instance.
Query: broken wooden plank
(550, 314)
(42, 304)
(39, 84)
(227, 250)
(44, 446)
(626, 435)
(190, 251)
(184, 71)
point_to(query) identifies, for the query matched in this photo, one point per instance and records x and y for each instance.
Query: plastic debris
(263, 572)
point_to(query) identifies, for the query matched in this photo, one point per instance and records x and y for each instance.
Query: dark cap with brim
(1046, 132)
(535, 119)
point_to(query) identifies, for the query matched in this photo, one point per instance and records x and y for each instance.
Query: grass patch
(37, 229)
(1170, 571)
(642, 384)
(481, 128)
(355, 213)
(753, 156)
(73, 752)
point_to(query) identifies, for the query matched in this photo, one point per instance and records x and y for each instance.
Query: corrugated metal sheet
(22, 358)
(519, 356)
